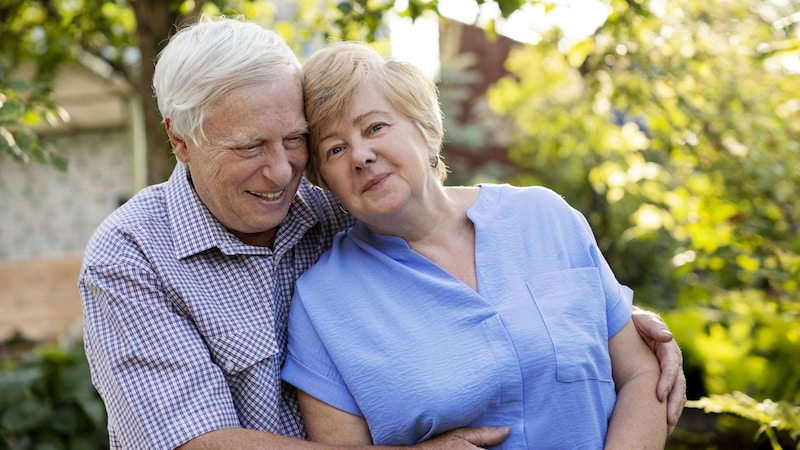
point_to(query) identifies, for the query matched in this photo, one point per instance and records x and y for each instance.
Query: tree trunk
(154, 20)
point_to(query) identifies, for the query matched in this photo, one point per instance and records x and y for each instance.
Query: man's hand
(467, 438)
(672, 383)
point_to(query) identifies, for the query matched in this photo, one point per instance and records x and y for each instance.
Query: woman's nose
(362, 154)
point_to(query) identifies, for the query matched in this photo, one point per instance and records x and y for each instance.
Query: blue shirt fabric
(184, 325)
(378, 330)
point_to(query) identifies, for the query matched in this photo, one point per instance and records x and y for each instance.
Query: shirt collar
(188, 212)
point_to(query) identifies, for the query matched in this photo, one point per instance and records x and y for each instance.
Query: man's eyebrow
(299, 129)
(236, 139)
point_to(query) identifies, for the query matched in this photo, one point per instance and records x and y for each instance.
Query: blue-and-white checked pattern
(184, 325)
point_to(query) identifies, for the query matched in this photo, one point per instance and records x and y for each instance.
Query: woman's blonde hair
(333, 74)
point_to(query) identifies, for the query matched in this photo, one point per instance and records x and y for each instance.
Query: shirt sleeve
(148, 362)
(309, 366)
(619, 298)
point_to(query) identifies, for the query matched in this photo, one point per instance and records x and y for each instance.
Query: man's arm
(244, 439)
(672, 383)
(144, 358)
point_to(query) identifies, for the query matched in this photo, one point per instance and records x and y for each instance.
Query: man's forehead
(239, 136)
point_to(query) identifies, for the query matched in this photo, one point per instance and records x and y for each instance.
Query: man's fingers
(676, 402)
(670, 362)
(466, 439)
(651, 326)
(484, 436)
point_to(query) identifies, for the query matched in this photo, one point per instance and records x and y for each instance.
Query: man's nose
(278, 167)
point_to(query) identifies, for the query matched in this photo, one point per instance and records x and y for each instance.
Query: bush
(771, 417)
(47, 401)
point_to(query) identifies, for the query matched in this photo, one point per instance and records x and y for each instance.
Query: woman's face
(375, 159)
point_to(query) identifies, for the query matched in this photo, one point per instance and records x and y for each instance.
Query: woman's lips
(374, 181)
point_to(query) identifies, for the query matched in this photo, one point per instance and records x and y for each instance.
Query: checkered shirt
(184, 325)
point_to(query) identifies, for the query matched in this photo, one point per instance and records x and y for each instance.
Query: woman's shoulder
(500, 192)
(463, 195)
(527, 195)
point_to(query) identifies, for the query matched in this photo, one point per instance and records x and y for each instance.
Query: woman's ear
(178, 144)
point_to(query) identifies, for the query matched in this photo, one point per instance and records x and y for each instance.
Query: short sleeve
(619, 298)
(308, 364)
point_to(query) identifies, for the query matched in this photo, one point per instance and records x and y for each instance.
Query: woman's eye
(377, 127)
(335, 150)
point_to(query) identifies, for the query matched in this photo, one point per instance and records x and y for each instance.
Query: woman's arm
(328, 425)
(638, 418)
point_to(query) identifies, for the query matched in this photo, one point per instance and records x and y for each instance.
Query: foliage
(675, 127)
(769, 415)
(742, 341)
(680, 143)
(37, 38)
(24, 104)
(742, 345)
(47, 401)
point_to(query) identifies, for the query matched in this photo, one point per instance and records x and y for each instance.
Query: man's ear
(178, 144)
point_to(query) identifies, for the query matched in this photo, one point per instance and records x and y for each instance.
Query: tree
(128, 35)
(679, 122)
(154, 21)
(51, 34)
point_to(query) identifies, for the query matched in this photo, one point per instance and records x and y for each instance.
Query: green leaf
(94, 409)
(507, 7)
(25, 416)
(17, 85)
(11, 111)
(14, 384)
(65, 419)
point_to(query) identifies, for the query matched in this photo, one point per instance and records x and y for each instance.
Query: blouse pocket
(236, 351)
(572, 305)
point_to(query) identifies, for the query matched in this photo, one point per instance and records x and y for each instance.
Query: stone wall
(46, 219)
(46, 211)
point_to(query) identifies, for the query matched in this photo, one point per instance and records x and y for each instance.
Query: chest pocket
(572, 305)
(236, 351)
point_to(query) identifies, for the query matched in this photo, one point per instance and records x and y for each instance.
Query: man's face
(248, 171)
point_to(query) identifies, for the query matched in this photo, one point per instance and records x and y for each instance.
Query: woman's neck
(445, 235)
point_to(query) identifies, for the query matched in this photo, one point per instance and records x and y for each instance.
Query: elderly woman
(451, 307)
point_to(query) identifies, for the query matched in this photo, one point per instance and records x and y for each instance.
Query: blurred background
(674, 126)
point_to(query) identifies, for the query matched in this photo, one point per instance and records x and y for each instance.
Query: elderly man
(186, 287)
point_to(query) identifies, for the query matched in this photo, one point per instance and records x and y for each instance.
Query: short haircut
(208, 59)
(333, 74)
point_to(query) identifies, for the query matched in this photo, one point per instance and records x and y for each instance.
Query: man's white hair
(208, 59)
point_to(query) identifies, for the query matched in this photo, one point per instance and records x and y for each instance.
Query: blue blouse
(378, 330)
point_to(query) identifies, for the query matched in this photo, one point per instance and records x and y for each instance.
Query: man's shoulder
(324, 206)
(145, 209)
(144, 215)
